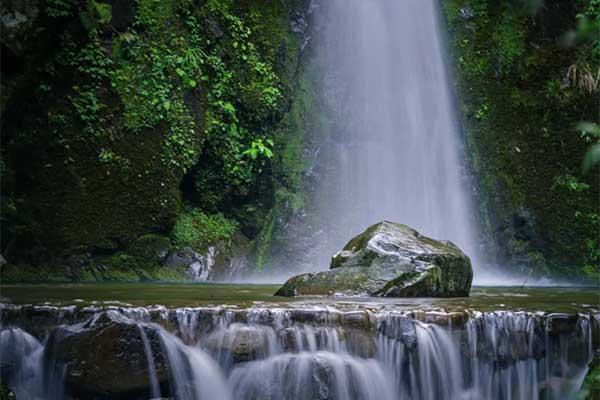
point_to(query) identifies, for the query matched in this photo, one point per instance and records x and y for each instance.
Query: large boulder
(389, 260)
(107, 356)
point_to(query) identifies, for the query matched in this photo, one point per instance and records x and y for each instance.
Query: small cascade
(21, 362)
(304, 353)
(154, 387)
(193, 374)
(312, 375)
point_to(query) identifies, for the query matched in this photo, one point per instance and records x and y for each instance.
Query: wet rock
(105, 355)
(199, 266)
(152, 247)
(389, 260)
(466, 13)
(401, 328)
(298, 23)
(240, 343)
(360, 343)
(307, 316)
(562, 323)
(39, 320)
(358, 319)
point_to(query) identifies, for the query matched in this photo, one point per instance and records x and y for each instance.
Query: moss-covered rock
(151, 246)
(390, 260)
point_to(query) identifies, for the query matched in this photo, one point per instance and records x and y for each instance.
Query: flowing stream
(298, 352)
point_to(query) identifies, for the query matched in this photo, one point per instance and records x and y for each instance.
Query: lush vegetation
(146, 117)
(527, 74)
(144, 126)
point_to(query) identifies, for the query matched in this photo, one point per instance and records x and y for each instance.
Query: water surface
(549, 299)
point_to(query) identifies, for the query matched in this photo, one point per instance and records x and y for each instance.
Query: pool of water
(550, 299)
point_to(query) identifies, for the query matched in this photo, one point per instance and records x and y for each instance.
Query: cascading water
(393, 152)
(305, 353)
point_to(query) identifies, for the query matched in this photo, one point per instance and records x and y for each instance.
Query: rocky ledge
(389, 260)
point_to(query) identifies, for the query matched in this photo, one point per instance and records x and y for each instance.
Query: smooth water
(532, 299)
(395, 151)
(315, 352)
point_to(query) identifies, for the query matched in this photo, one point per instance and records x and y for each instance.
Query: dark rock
(390, 260)
(199, 267)
(152, 247)
(358, 319)
(184, 256)
(466, 13)
(215, 28)
(105, 355)
(18, 19)
(240, 343)
(298, 22)
(78, 260)
(360, 343)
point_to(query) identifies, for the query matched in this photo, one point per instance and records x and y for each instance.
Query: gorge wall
(520, 77)
(139, 134)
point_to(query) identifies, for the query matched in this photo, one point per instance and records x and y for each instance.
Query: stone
(106, 355)
(389, 260)
(199, 266)
(152, 247)
(18, 23)
(239, 343)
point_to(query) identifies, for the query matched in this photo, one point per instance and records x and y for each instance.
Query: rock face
(389, 260)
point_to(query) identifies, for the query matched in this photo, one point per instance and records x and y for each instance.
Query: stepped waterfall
(300, 353)
(394, 152)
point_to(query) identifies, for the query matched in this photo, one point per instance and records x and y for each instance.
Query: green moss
(199, 230)
(118, 115)
(536, 206)
(151, 246)
(265, 242)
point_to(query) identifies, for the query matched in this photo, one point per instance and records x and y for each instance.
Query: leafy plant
(197, 229)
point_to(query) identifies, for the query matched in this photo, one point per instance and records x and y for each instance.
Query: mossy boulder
(151, 246)
(389, 260)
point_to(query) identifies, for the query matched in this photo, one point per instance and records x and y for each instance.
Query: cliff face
(122, 118)
(192, 126)
(526, 75)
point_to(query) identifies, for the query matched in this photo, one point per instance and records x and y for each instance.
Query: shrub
(199, 230)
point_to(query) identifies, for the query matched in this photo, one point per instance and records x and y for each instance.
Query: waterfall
(308, 353)
(394, 150)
